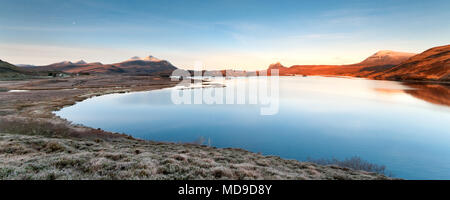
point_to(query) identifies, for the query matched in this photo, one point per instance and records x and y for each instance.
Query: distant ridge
(381, 60)
(385, 57)
(8, 68)
(134, 65)
(432, 64)
(148, 58)
(81, 62)
(10, 71)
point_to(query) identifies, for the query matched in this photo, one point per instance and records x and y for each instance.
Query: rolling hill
(432, 64)
(10, 71)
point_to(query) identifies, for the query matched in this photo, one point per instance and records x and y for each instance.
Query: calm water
(319, 117)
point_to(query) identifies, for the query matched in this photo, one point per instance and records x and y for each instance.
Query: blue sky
(237, 34)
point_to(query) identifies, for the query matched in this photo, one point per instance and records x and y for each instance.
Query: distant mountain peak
(143, 66)
(386, 57)
(277, 65)
(81, 62)
(63, 63)
(151, 58)
(432, 64)
(24, 65)
(135, 58)
(393, 53)
(96, 63)
(148, 58)
(384, 52)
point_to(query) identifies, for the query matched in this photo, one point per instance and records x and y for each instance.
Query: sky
(238, 34)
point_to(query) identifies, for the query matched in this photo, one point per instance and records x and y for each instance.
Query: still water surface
(405, 128)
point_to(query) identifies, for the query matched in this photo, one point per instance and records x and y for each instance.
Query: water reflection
(433, 93)
(403, 126)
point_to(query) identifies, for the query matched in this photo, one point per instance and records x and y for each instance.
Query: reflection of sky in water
(318, 117)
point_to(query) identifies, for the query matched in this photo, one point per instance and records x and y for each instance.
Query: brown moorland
(431, 65)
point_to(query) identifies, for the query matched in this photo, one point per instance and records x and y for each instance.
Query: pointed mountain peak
(148, 58)
(96, 63)
(81, 62)
(151, 58)
(277, 65)
(63, 63)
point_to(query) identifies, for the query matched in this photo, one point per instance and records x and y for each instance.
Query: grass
(36, 145)
(41, 149)
(42, 157)
(355, 163)
(43, 127)
(33, 127)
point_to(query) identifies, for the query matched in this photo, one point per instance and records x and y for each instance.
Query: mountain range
(433, 64)
(134, 65)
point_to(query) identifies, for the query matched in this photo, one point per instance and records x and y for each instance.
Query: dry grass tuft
(40, 157)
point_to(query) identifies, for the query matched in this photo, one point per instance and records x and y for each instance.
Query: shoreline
(60, 141)
(378, 79)
(44, 108)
